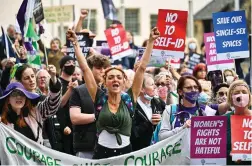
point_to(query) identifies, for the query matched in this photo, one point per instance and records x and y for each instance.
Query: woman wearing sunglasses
(177, 117)
(166, 88)
(220, 93)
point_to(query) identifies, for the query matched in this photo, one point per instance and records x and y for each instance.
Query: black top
(142, 128)
(63, 112)
(84, 136)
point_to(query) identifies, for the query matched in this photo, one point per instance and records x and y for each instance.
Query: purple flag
(21, 15)
(28, 46)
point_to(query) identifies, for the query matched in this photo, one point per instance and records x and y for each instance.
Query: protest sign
(101, 43)
(208, 140)
(16, 149)
(158, 61)
(57, 14)
(211, 55)
(241, 136)
(84, 42)
(118, 44)
(38, 11)
(172, 27)
(231, 35)
(193, 60)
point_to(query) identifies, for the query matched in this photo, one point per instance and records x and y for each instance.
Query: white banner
(16, 149)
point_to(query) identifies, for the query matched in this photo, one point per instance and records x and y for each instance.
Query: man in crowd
(11, 35)
(82, 110)
(67, 66)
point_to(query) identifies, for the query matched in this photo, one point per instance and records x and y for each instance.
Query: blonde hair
(192, 40)
(232, 71)
(231, 89)
(161, 75)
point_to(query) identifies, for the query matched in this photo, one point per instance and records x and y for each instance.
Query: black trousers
(104, 152)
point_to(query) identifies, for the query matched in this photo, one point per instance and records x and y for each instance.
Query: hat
(64, 60)
(16, 85)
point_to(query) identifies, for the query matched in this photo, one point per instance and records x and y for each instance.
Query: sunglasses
(16, 93)
(161, 84)
(222, 94)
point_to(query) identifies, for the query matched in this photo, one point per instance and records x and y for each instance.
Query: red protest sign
(172, 27)
(117, 42)
(241, 134)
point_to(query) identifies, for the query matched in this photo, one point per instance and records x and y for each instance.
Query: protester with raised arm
(114, 109)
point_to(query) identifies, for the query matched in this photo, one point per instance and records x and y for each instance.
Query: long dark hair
(20, 121)
(20, 71)
(180, 86)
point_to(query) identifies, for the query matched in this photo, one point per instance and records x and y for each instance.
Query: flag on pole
(31, 46)
(109, 9)
(25, 12)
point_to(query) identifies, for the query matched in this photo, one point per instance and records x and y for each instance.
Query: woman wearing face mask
(230, 76)
(193, 54)
(165, 88)
(188, 89)
(147, 115)
(239, 97)
(113, 109)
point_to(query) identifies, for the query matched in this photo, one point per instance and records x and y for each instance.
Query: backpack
(103, 99)
(154, 138)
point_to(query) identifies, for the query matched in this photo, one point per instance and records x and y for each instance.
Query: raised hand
(52, 71)
(70, 34)
(154, 34)
(84, 14)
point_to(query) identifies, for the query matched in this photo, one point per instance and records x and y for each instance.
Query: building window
(59, 33)
(132, 22)
(93, 24)
(153, 20)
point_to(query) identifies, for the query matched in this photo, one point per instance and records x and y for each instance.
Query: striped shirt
(43, 110)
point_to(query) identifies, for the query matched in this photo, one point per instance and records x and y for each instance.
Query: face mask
(229, 79)
(240, 100)
(147, 97)
(203, 98)
(221, 99)
(192, 97)
(69, 70)
(192, 46)
(162, 91)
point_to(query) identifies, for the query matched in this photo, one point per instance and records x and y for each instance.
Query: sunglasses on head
(161, 83)
(16, 93)
(222, 93)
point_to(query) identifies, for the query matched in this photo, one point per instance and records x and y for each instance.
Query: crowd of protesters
(98, 109)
